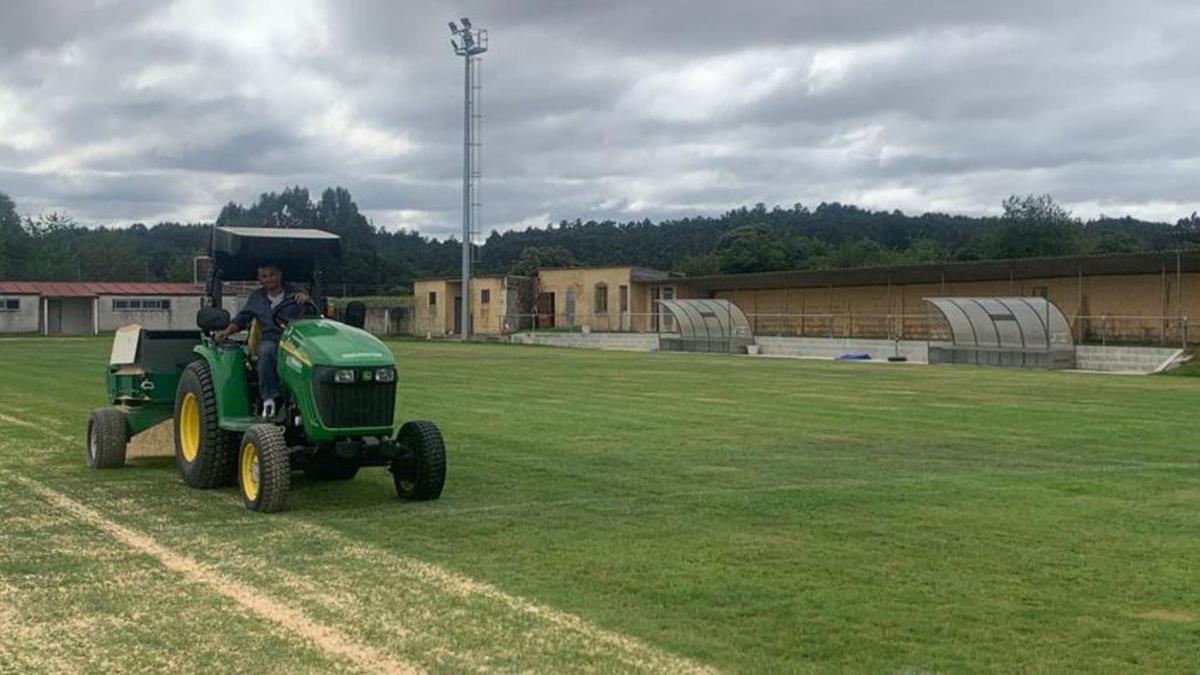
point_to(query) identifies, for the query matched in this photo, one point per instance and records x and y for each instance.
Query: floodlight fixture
(466, 23)
(454, 43)
(454, 28)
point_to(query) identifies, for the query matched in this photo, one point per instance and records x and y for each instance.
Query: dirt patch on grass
(157, 441)
(1169, 615)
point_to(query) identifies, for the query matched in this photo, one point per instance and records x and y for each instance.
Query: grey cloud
(603, 110)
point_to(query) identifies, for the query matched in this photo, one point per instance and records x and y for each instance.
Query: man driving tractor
(261, 305)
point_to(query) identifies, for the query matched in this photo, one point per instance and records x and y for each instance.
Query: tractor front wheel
(106, 439)
(421, 474)
(264, 469)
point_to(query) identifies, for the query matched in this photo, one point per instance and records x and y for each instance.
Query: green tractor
(338, 381)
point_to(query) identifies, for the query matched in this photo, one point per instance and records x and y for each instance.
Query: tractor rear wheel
(204, 452)
(106, 439)
(420, 475)
(328, 472)
(264, 469)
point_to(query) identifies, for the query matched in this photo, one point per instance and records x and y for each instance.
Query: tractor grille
(362, 404)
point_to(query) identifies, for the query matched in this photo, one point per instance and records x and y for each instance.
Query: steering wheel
(309, 310)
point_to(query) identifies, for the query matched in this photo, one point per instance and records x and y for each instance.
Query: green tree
(181, 269)
(1033, 226)
(926, 251)
(751, 248)
(804, 252)
(1114, 242)
(860, 253)
(535, 258)
(699, 265)
(14, 241)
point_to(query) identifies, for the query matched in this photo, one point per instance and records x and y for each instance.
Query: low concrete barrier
(916, 351)
(1088, 357)
(1125, 359)
(641, 342)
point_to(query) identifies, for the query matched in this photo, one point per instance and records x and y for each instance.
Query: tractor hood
(330, 343)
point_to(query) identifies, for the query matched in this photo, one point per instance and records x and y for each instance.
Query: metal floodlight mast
(470, 43)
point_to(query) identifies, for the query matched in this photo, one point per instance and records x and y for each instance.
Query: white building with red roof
(93, 307)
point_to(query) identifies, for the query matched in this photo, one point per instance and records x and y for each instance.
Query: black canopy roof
(239, 251)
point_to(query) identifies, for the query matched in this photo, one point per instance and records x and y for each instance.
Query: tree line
(53, 247)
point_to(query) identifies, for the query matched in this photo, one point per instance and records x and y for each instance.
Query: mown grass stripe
(328, 639)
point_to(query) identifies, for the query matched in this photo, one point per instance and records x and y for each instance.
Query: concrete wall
(496, 317)
(490, 318)
(431, 318)
(640, 342)
(913, 350)
(181, 315)
(1125, 359)
(27, 319)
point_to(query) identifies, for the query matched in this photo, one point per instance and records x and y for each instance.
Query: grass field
(621, 512)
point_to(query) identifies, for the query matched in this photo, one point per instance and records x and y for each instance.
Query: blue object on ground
(853, 356)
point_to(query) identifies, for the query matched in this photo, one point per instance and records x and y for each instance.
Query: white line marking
(7, 419)
(329, 640)
(635, 652)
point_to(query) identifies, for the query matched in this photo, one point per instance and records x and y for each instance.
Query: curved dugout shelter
(706, 325)
(1023, 332)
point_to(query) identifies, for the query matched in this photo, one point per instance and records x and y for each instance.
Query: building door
(458, 315)
(570, 307)
(545, 310)
(53, 317)
(69, 316)
(661, 319)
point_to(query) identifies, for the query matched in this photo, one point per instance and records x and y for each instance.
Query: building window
(10, 304)
(623, 297)
(485, 296)
(601, 298)
(140, 305)
(432, 298)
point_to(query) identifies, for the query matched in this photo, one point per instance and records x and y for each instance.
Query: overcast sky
(119, 112)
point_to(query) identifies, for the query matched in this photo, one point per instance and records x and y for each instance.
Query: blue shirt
(258, 306)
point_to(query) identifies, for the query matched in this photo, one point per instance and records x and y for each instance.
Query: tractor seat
(252, 342)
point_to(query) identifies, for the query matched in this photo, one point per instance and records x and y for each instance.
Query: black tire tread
(424, 439)
(108, 426)
(215, 463)
(274, 468)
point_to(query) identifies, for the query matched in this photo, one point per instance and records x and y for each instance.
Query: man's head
(271, 277)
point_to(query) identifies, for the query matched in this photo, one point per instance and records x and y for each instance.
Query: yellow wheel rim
(189, 427)
(249, 465)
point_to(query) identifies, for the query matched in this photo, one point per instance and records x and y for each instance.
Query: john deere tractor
(339, 386)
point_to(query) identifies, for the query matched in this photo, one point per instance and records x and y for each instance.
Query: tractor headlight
(385, 375)
(343, 376)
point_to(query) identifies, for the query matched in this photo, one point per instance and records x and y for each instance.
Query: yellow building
(495, 305)
(1134, 297)
(603, 299)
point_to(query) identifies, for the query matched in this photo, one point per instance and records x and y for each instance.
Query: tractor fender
(228, 368)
